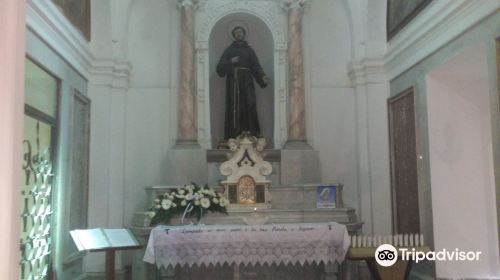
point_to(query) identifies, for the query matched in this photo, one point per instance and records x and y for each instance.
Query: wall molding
(49, 23)
(435, 26)
(111, 73)
(369, 70)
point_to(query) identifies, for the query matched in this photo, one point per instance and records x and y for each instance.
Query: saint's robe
(241, 106)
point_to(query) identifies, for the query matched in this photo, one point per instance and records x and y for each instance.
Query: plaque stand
(105, 240)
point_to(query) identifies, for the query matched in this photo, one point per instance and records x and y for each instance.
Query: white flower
(183, 203)
(179, 196)
(196, 202)
(157, 206)
(205, 202)
(174, 205)
(215, 200)
(197, 195)
(223, 201)
(157, 200)
(166, 204)
(181, 191)
(189, 196)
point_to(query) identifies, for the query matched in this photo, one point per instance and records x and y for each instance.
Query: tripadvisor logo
(386, 255)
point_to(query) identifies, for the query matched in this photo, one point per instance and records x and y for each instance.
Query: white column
(12, 53)
(371, 90)
(296, 109)
(187, 133)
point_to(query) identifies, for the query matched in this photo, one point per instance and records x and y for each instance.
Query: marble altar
(271, 244)
(276, 204)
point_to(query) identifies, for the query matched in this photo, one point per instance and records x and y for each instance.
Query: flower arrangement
(188, 201)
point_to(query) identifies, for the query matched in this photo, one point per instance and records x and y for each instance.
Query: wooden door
(403, 149)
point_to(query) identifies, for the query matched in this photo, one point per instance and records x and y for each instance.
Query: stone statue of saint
(240, 66)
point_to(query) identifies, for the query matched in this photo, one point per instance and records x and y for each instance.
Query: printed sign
(326, 197)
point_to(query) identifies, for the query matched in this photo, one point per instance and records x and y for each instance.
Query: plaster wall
(151, 100)
(425, 82)
(461, 162)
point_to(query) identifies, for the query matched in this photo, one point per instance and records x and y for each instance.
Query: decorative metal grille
(36, 198)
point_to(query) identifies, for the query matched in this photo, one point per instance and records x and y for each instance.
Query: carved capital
(293, 4)
(186, 3)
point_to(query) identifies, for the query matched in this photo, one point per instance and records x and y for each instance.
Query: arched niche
(259, 37)
(211, 22)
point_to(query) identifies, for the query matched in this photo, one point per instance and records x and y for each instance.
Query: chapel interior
(394, 105)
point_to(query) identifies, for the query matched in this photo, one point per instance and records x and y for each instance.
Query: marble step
(344, 216)
(301, 196)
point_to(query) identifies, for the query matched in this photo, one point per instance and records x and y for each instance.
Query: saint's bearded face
(239, 34)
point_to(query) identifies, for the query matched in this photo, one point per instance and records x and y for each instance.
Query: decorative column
(187, 162)
(296, 110)
(12, 60)
(299, 162)
(187, 134)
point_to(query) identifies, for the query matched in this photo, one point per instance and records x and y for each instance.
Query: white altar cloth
(242, 244)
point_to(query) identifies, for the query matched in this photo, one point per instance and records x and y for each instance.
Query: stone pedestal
(185, 165)
(289, 204)
(300, 166)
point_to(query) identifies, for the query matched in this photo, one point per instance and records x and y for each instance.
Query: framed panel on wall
(76, 198)
(403, 151)
(78, 13)
(401, 12)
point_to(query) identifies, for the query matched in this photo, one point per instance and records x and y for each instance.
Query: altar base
(299, 165)
(185, 164)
